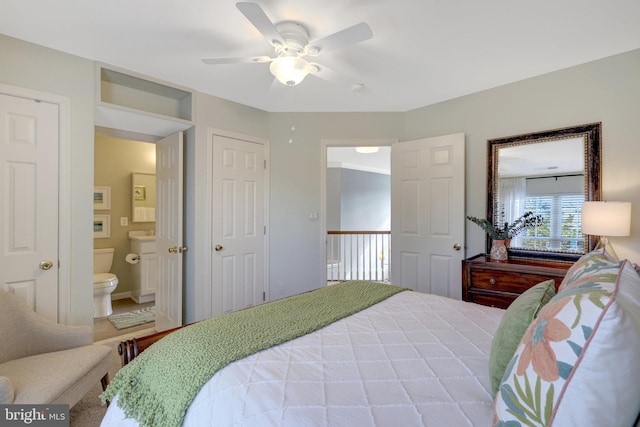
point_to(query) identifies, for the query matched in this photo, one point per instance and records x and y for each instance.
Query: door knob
(46, 265)
(183, 249)
(219, 248)
(173, 250)
(456, 246)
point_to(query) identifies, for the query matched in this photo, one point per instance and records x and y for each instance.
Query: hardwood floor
(103, 329)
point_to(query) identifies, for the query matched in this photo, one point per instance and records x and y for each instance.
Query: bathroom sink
(142, 235)
(145, 238)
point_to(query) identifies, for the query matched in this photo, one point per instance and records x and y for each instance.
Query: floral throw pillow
(577, 363)
(587, 264)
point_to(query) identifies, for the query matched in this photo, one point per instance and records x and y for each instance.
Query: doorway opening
(118, 162)
(358, 213)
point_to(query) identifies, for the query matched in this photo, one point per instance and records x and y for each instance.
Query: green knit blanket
(157, 387)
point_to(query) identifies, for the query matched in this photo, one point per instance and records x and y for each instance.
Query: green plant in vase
(503, 231)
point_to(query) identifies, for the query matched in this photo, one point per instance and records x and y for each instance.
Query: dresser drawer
(500, 300)
(498, 284)
(503, 281)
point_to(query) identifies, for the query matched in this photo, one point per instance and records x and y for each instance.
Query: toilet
(104, 283)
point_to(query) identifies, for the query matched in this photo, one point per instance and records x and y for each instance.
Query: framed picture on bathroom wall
(101, 226)
(101, 198)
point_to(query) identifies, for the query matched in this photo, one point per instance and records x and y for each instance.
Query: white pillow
(578, 362)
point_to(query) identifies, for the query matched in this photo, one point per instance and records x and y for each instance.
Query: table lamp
(606, 219)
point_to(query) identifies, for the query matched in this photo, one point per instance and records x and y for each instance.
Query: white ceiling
(550, 158)
(422, 51)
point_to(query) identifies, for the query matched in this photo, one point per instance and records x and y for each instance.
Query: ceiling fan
(291, 43)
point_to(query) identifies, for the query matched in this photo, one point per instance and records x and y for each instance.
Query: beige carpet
(89, 412)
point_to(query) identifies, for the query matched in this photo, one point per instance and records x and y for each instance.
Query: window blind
(561, 225)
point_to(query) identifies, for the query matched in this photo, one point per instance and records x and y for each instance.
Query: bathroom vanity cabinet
(145, 272)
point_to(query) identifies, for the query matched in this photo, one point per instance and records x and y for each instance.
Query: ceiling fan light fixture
(357, 87)
(289, 70)
(290, 41)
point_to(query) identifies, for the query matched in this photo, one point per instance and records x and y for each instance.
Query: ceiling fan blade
(351, 35)
(216, 61)
(254, 13)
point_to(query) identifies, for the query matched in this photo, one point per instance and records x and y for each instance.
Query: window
(562, 222)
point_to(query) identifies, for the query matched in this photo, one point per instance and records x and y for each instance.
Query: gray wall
(334, 185)
(211, 113)
(29, 66)
(607, 90)
(297, 245)
(365, 201)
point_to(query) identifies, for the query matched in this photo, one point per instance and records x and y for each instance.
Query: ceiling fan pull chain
(293, 126)
(293, 129)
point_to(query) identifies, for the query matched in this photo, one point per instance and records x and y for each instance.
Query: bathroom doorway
(117, 160)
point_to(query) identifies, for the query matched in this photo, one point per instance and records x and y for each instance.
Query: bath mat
(133, 318)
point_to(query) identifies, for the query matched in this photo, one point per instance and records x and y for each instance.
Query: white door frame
(202, 272)
(64, 190)
(324, 144)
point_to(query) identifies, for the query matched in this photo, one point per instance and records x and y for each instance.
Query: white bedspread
(412, 360)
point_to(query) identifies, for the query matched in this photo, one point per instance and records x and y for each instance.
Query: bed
(405, 358)
(415, 359)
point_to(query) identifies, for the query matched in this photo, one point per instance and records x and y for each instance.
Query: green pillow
(513, 325)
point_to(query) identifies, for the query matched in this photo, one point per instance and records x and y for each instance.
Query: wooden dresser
(499, 283)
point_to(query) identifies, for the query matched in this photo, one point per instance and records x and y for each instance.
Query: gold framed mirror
(550, 173)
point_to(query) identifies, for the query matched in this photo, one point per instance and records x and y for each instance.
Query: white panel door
(238, 235)
(29, 202)
(427, 214)
(169, 240)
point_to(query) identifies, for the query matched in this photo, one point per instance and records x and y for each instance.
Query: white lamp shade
(606, 218)
(289, 70)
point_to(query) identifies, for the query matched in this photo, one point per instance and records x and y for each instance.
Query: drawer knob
(492, 281)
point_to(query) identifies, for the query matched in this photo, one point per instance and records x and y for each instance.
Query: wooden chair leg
(105, 381)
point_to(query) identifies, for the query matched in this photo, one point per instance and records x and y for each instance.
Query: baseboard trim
(143, 299)
(121, 295)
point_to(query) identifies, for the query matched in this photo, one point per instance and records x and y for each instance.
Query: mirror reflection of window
(546, 178)
(559, 201)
